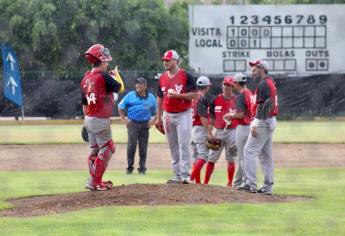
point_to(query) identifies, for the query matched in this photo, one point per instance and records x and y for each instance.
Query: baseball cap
(229, 80)
(141, 80)
(203, 81)
(169, 55)
(240, 78)
(260, 63)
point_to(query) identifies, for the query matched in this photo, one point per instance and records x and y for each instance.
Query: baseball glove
(160, 127)
(84, 134)
(213, 144)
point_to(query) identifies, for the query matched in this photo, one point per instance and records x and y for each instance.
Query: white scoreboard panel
(294, 39)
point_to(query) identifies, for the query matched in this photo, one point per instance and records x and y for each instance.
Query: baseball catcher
(97, 87)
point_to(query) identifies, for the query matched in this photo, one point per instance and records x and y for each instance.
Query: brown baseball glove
(213, 144)
(160, 127)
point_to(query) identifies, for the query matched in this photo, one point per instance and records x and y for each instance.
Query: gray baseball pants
(242, 133)
(262, 143)
(200, 150)
(178, 130)
(228, 141)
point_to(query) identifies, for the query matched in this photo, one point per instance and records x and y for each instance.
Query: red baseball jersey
(201, 107)
(97, 89)
(266, 89)
(244, 103)
(219, 107)
(180, 83)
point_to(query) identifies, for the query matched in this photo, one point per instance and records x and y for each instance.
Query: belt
(139, 121)
(224, 127)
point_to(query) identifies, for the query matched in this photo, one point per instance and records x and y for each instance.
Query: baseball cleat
(89, 187)
(108, 183)
(264, 191)
(247, 188)
(174, 181)
(102, 187)
(185, 180)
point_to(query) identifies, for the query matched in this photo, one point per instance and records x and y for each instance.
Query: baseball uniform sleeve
(111, 84)
(212, 107)
(159, 90)
(191, 84)
(202, 107)
(240, 103)
(83, 98)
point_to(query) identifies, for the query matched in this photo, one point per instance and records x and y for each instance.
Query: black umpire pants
(137, 133)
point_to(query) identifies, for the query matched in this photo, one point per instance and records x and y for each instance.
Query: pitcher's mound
(137, 195)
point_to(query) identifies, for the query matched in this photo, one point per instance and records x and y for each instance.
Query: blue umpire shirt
(139, 109)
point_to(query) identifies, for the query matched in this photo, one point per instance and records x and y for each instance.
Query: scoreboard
(293, 39)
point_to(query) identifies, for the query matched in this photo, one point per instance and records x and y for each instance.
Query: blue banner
(12, 84)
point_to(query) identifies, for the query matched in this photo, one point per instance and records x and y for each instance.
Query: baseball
(171, 91)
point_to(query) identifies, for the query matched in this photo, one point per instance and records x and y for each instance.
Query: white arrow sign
(11, 60)
(11, 82)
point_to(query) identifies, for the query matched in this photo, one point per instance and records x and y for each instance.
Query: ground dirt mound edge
(137, 195)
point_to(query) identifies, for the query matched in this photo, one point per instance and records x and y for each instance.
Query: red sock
(197, 169)
(192, 177)
(209, 171)
(231, 171)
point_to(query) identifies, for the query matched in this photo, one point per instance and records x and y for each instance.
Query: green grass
(324, 215)
(287, 132)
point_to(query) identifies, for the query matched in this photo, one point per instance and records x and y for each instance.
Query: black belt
(139, 122)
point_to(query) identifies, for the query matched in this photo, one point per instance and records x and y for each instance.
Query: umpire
(140, 107)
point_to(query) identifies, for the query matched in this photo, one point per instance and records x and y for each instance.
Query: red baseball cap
(229, 80)
(260, 63)
(170, 55)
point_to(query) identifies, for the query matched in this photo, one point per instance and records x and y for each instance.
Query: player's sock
(209, 171)
(231, 171)
(192, 177)
(197, 169)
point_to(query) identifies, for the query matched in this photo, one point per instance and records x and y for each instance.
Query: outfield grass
(287, 132)
(324, 215)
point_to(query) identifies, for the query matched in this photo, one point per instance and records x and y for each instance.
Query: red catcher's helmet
(229, 80)
(98, 53)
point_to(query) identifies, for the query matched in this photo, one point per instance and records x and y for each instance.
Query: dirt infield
(138, 194)
(73, 157)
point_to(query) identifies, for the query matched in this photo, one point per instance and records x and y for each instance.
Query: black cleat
(247, 188)
(264, 191)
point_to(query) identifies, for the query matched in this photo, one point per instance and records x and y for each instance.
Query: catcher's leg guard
(101, 162)
(93, 155)
(209, 171)
(197, 169)
(231, 171)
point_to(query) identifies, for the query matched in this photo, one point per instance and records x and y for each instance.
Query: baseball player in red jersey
(202, 128)
(225, 130)
(243, 116)
(176, 90)
(97, 89)
(261, 130)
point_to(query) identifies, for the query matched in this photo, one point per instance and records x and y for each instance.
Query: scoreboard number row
(278, 19)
